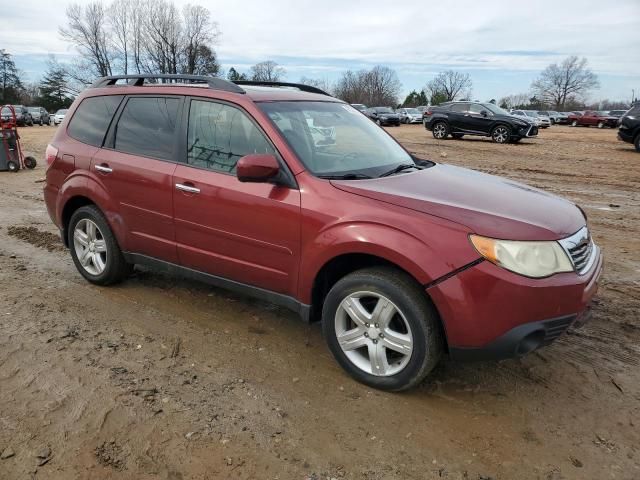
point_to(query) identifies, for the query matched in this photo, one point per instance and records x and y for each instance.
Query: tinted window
(476, 108)
(91, 120)
(219, 135)
(147, 127)
(459, 107)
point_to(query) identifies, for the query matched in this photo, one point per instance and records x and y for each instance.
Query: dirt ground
(165, 378)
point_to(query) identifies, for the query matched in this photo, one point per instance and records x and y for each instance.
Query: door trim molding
(276, 298)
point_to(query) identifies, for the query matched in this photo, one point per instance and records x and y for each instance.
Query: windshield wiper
(400, 168)
(346, 176)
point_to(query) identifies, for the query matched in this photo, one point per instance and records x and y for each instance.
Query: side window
(459, 107)
(147, 127)
(476, 108)
(219, 135)
(91, 119)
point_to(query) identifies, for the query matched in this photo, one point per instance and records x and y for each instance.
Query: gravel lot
(165, 378)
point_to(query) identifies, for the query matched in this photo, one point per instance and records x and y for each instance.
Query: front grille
(554, 328)
(580, 249)
(581, 254)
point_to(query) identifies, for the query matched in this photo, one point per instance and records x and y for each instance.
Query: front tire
(501, 134)
(440, 130)
(94, 249)
(381, 328)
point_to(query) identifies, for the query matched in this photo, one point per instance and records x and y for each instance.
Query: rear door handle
(104, 168)
(187, 188)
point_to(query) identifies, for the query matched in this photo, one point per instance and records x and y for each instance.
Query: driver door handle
(187, 188)
(104, 168)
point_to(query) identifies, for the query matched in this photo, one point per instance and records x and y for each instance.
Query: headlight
(531, 259)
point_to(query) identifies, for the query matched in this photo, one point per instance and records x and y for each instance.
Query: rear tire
(440, 130)
(396, 331)
(94, 249)
(600, 124)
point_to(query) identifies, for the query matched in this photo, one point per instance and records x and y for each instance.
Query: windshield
(334, 139)
(413, 111)
(530, 113)
(383, 110)
(61, 112)
(34, 109)
(495, 109)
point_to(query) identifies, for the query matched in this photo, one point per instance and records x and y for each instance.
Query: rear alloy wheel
(381, 328)
(574, 123)
(501, 134)
(94, 249)
(440, 130)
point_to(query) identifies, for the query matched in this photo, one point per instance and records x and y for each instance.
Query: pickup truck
(591, 117)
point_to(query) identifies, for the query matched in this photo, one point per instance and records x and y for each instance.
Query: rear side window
(147, 127)
(219, 135)
(92, 118)
(459, 107)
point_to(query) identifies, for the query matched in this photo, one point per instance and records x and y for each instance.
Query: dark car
(629, 130)
(39, 115)
(383, 116)
(401, 259)
(471, 118)
(23, 117)
(616, 113)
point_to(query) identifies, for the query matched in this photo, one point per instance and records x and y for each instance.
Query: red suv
(284, 192)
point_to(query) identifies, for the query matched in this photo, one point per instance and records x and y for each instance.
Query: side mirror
(257, 168)
(484, 113)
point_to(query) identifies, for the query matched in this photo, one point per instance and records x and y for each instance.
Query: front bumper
(625, 135)
(490, 313)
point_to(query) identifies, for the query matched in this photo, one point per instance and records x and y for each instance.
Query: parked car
(545, 121)
(23, 117)
(360, 107)
(59, 116)
(629, 130)
(39, 115)
(616, 113)
(472, 118)
(422, 108)
(554, 117)
(593, 118)
(383, 116)
(410, 115)
(401, 259)
(529, 117)
(561, 118)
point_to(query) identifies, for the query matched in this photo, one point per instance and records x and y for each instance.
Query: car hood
(488, 205)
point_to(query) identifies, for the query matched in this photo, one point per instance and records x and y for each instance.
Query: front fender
(424, 260)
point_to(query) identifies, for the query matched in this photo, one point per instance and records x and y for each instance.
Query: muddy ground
(165, 378)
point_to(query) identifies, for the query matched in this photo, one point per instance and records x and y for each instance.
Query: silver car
(59, 116)
(409, 115)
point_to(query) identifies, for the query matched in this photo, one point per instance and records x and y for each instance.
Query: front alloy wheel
(574, 123)
(382, 329)
(373, 333)
(500, 134)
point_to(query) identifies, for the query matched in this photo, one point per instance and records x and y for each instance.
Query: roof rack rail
(299, 86)
(138, 80)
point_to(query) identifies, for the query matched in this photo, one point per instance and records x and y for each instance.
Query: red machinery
(11, 157)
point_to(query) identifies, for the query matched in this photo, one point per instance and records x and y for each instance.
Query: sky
(503, 45)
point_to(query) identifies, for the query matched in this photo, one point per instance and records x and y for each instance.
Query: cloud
(414, 36)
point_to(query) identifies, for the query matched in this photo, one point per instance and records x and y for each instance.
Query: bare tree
(199, 34)
(268, 71)
(119, 16)
(87, 31)
(450, 85)
(558, 83)
(519, 100)
(321, 83)
(376, 87)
